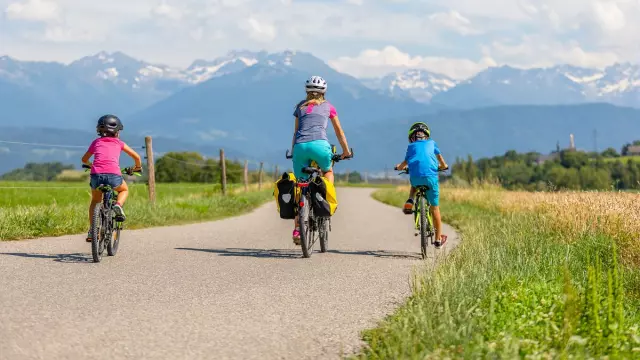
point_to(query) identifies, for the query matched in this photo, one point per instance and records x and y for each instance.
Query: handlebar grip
(85, 166)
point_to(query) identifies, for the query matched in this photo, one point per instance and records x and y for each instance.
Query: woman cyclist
(105, 168)
(310, 142)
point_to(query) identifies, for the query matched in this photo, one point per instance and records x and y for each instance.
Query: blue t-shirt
(421, 158)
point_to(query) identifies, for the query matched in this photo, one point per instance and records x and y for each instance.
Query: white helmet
(316, 84)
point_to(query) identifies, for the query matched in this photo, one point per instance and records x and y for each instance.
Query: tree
(610, 153)
(37, 172)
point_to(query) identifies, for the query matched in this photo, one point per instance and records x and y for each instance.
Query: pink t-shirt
(106, 155)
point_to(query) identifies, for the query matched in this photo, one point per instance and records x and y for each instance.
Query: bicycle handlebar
(406, 170)
(128, 170)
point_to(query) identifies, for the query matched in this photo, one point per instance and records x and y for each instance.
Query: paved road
(232, 289)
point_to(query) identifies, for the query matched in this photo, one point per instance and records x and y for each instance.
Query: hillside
(494, 130)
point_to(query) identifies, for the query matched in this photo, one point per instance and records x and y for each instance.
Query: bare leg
(123, 193)
(412, 193)
(437, 221)
(329, 176)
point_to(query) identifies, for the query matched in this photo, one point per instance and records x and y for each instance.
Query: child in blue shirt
(424, 160)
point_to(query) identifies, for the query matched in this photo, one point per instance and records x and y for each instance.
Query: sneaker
(443, 240)
(117, 208)
(89, 236)
(296, 236)
(408, 207)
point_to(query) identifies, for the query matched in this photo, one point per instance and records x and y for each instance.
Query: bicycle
(423, 221)
(312, 227)
(105, 222)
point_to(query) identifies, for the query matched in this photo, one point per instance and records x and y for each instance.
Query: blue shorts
(112, 180)
(316, 150)
(433, 194)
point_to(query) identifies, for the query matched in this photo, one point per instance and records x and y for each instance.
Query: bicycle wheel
(323, 232)
(97, 232)
(424, 232)
(112, 246)
(306, 232)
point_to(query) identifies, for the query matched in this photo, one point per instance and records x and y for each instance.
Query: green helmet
(419, 126)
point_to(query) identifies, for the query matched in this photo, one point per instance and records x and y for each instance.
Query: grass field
(623, 159)
(36, 209)
(537, 276)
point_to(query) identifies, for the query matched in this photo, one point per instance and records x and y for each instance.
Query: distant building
(556, 154)
(633, 150)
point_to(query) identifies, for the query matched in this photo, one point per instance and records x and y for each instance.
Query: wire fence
(236, 171)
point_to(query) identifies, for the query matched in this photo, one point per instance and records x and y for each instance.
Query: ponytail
(315, 98)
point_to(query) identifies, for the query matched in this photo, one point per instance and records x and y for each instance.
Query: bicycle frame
(421, 192)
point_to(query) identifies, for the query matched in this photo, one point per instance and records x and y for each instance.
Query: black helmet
(109, 125)
(419, 126)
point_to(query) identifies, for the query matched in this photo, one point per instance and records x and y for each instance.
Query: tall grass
(52, 209)
(517, 286)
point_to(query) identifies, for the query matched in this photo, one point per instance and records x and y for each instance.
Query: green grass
(512, 289)
(623, 159)
(37, 209)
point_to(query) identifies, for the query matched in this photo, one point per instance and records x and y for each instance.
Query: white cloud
(167, 11)
(456, 37)
(534, 52)
(33, 10)
(380, 62)
(455, 21)
(259, 30)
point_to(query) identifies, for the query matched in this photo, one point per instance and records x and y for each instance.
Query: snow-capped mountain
(420, 85)
(123, 70)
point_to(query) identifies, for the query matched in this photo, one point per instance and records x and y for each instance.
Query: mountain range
(244, 102)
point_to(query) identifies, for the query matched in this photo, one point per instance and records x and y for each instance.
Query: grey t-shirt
(313, 120)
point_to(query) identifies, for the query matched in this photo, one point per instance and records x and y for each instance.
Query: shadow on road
(64, 258)
(294, 254)
(259, 253)
(380, 254)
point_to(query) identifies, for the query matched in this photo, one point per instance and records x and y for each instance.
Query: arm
(441, 163)
(402, 165)
(129, 151)
(293, 141)
(341, 138)
(86, 157)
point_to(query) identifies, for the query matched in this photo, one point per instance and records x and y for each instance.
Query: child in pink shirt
(105, 168)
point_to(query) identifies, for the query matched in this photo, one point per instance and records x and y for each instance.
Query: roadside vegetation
(35, 209)
(562, 169)
(537, 276)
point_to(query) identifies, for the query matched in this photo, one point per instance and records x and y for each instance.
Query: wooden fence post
(223, 172)
(246, 175)
(366, 177)
(150, 169)
(347, 176)
(275, 174)
(260, 176)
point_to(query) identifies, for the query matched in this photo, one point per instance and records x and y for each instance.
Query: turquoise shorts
(316, 150)
(433, 194)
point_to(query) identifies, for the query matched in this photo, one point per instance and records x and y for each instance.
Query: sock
(117, 203)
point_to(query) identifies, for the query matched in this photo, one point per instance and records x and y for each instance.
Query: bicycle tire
(323, 231)
(97, 242)
(423, 228)
(305, 227)
(114, 242)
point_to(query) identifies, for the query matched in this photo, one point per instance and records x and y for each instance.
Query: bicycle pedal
(120, 218)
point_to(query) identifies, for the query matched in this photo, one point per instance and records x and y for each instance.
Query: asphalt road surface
(231, 289)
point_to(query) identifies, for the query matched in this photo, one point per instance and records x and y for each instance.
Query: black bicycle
(312, 227)
(106, 225)
(422, 219)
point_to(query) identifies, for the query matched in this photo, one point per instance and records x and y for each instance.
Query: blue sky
(360, 37)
